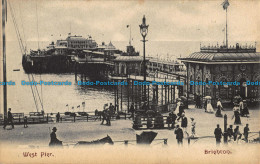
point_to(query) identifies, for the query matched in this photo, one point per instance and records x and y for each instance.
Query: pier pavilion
(216, 64)
(128, 67)
(160, 97)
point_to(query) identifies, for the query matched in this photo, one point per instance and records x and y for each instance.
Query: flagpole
(226, 30)
(130, 36)
(4, 14)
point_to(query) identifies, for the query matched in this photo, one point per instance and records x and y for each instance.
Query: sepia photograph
(130, 81)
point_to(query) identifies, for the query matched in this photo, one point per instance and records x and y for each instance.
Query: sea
(70, 97)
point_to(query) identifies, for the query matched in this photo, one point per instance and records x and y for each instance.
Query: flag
(225, 4)
(127, 26)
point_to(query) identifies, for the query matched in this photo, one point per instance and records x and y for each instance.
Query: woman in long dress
(177, 110)
(236, 114)
(209, 107)
(245, 111)
(219, 108)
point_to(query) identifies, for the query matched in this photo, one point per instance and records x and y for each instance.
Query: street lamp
(144, 31)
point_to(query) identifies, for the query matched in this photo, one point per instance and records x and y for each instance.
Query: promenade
(71, 132)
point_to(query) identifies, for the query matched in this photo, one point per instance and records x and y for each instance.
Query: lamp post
(144, 31)
(225, 130)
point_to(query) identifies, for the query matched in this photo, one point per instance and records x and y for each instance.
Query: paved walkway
(39, 134)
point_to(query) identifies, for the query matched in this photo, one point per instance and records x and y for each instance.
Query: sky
(186, 20)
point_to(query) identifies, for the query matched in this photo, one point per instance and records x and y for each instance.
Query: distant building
(128, 65)
(219, 64)
(77, 42)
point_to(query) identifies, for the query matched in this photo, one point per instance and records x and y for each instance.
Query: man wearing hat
(9, 119)
(218, 134)
(184, 121)
(54, 141)
(179, 134)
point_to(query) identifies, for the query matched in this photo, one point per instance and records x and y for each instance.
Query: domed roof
(223, 57)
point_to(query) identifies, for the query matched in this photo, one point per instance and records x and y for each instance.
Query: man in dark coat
(104, 116)
(111, 109)
(179, 134)
(9, 119)
(230, 131)
(199, 103)
(246, 130)
(58, 117)
(196, 100)
(108, 118)
(184, 122)
(132, 110)
(218, 134)
(54, 141)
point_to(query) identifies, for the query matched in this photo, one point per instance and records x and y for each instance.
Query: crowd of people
(231, 134)
(176, 119)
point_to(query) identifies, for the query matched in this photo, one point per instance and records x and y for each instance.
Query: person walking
(58, 117)
(237, 133)
(184, 122)
(230, 131)
(193, 126)
(169, 120)
(174, 117)
(108, 118)
(25, 122)
(9, 119)
(196, 100)
(245, 112)
(205, 105)
(218, 135)
(179, 135)
(199, 102)
(209, 107)
(132, 111)
(104, 114)
(111, 109)
(236, 114)
(246, 130)
(241, 106)
(178, 106)
(219, 108)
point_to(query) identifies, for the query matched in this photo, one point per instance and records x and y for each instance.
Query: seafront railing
(39, 118)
